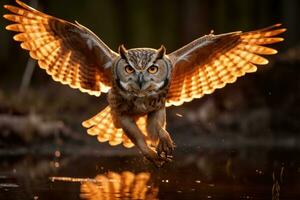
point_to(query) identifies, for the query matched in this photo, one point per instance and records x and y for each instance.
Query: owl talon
(159, 163)
(157, 160)
(165, 148)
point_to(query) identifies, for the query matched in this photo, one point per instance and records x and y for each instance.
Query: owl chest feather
(133, 105)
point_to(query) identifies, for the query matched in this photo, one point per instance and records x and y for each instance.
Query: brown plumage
(141, 82)
(212, 61)
(62, 49)
(102, 126)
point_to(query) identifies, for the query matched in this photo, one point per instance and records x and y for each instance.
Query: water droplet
(179, 115)
(56, 164)
(57, 153)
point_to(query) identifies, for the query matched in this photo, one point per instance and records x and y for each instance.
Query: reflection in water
(276, 184)
(115, 186)
(119, 185)
(219, 174)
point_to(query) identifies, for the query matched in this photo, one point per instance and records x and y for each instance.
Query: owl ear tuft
(122, 51)
(161, 52)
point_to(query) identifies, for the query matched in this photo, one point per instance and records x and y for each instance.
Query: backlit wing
(102, 126)
(212, 61)
(70, 53)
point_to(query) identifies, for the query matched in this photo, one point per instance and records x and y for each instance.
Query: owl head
(142, 71)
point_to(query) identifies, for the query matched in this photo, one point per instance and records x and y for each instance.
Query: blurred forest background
(259, 109)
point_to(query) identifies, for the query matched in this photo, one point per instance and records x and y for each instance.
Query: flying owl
(142, 82)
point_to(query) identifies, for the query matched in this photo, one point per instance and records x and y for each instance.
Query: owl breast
(133, 105)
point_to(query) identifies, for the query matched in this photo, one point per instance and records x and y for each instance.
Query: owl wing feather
(70, 53)
(212, 61)
(102, 126)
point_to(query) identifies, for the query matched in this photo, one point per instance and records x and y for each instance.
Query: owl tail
(102, 126)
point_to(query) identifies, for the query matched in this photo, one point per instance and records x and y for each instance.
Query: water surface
(198, 173)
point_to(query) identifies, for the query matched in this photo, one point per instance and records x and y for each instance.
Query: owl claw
(156, 159)
(160, 161)
(165, 148)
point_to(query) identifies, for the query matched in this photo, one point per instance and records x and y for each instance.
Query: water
(244, 173)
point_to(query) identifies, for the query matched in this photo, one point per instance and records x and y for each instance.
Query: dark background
(263, 106)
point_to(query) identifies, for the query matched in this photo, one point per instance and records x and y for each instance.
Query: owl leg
(133, 132)
(156, 123)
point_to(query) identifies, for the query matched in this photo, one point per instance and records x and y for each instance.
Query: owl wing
(70, 53)
(212, 61)
(102, 126)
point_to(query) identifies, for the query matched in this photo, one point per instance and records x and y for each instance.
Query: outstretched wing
(70, 53)
(102, 126)
(212, 61)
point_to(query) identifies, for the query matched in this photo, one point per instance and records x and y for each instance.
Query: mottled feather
(213, 61)
(70, 53)
(102, 126)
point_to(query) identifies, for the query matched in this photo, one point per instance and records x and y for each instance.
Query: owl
(142, 82)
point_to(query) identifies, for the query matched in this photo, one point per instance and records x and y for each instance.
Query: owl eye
(129, 69)
(153, 69)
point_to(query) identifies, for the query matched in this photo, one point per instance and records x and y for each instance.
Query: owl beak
(140, 80)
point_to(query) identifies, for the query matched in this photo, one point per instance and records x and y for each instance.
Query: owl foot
(165, 147)
(157, 160)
